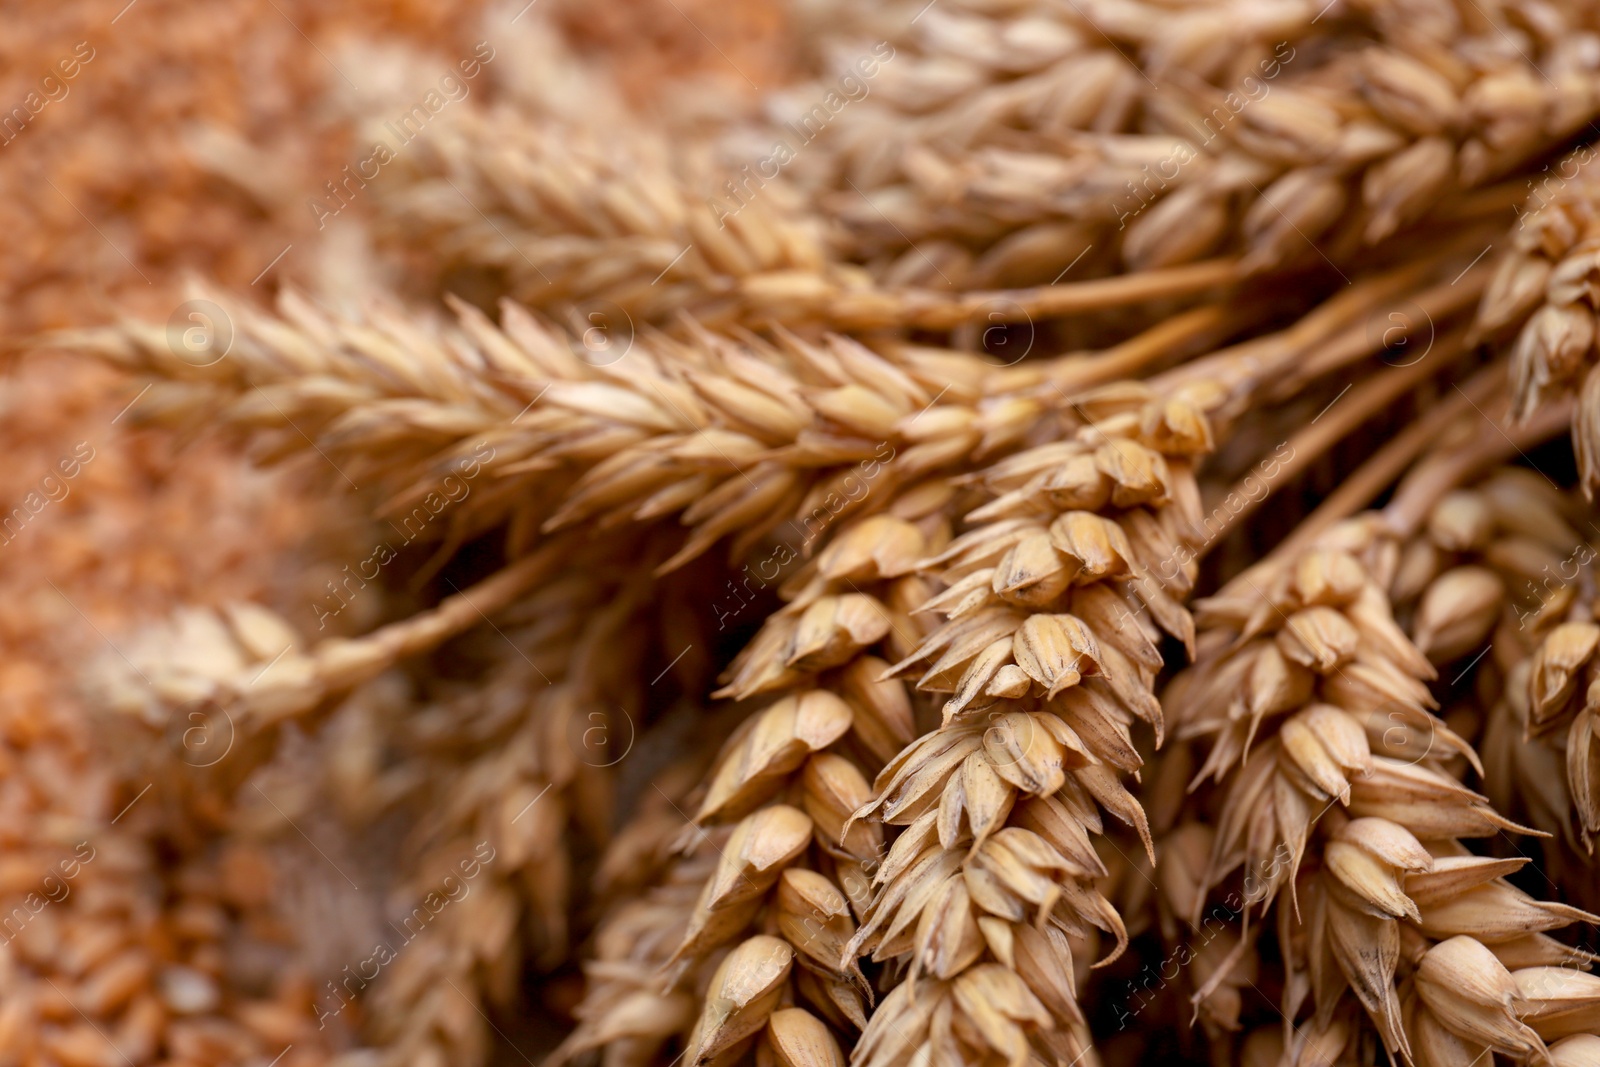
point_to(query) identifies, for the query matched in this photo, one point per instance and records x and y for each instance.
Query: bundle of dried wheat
(985, 766)
(738, 421)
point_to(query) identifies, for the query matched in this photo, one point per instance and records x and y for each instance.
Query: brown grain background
(103, 212)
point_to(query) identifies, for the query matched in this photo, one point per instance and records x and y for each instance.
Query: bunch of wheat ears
(1050, 541)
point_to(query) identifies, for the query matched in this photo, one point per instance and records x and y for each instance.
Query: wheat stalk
(1312, 678)
(500, 772)
(512, 420)
(566, 219)
(521, 422)
(1343, 147)
(1541, 292)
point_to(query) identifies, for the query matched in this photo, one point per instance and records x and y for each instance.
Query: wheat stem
(1346, 415)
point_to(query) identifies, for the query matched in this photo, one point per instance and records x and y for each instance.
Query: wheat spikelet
(550, 212)
(1497, 582)
(951, 147)
(992, 857)
(807, 642)
(791, 864)
(1490, 575)
(538, 201)
(753, 265)
(212, 646)
(1379, 129)
(1554, 717)
(155, 980)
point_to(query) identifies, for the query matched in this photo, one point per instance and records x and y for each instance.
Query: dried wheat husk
(526, 201)
(1498, 565)
(1547, 703)
(1476, 567)
(1497, 575)
(507, 194)
(736, 261)
(1496, 583)
(1478, 589)
(998, 803)
(1172, 901)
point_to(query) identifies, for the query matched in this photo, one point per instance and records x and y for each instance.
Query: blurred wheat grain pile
(974, 532)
